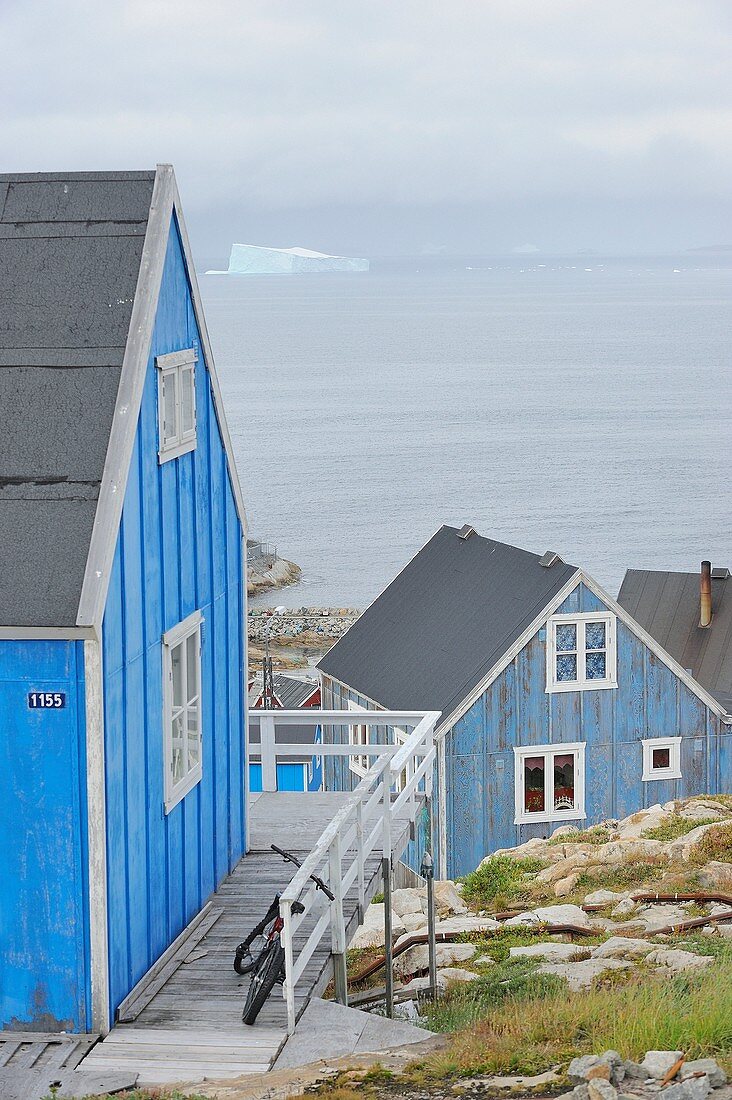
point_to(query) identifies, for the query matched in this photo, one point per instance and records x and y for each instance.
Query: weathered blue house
(122, 596)
(557, 705)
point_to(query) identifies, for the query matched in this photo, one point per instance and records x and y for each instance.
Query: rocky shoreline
(279, 574)
(317, 627)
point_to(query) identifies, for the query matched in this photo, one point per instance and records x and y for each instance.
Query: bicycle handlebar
(293, 859)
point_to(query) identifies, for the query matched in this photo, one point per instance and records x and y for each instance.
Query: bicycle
(268, 967)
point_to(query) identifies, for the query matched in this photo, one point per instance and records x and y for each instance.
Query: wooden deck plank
(190, 1027)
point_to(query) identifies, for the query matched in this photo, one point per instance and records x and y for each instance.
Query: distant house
(290, 693)
(557, 705)
(298, 773)
(122, 601)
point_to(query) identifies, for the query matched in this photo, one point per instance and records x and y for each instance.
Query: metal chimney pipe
(705, 594)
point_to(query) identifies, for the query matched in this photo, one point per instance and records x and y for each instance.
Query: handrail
(361, 825)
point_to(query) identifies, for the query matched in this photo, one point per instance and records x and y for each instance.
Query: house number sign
(46, 700)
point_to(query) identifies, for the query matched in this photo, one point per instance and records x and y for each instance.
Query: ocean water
(580, 405)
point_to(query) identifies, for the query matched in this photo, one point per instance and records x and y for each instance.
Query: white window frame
(581, 621)
(172, 638)
(673, 771)
(359, 765)
(549, 751)
(175, 365)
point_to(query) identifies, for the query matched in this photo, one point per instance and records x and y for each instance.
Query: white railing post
(337, 922)
(288, 988)
(268, 751)
(361, 862)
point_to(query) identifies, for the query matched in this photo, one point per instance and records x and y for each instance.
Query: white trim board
(97, 835)
(165, 202)
(46, 633)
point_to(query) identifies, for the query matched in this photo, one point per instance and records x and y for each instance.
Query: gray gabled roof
(443, 623)
(70, 251)
(292, 692)
(667, 606)
(81, 263)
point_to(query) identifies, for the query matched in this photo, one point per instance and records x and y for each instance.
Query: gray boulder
(694, 1088)
(622, 947)
(659, 1062)
(580, 975)
(579, 1067)
(715, 1073)
(598, 1089)
(634, 1071)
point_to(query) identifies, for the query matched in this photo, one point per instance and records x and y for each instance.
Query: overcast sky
(390, 125)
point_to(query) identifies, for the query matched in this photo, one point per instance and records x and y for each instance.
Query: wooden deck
(191, 1028)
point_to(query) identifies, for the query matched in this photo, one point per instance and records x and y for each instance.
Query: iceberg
(253, 259)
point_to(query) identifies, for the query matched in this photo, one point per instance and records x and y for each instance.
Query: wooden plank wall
(44, 954)
(516, 710)
(179, 549)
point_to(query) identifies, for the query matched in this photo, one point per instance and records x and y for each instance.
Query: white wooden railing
(395, 786)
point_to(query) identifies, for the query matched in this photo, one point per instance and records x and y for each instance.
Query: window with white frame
(549, 783)
(580, 652)
(358, 735)
(661, 758)
(182, 708)
(176, 403)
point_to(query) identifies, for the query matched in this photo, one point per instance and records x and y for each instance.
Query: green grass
(514, 979)
(716, 844)
(535, 1026)
(675, 827)
(498, 944)
(630, 874)
(723, 799)
(501, 881)
(598, 834)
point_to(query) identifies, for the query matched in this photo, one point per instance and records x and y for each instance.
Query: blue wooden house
(557, 705)
(296, 773)
(122, 596)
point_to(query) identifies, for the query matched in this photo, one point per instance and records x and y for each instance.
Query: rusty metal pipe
(705, 594)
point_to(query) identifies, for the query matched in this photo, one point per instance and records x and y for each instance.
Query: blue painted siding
(178, 550)
(44, 936)
(290, 777)
(516, 710)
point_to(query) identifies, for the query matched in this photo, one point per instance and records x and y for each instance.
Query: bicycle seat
(298, 907)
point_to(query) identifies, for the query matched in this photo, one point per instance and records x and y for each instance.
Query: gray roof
(444, 622)
(666, 605)
(70, 250)
(292, 692)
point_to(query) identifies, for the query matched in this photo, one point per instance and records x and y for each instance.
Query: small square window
(176, 403)
(182, 708)
(661, 758)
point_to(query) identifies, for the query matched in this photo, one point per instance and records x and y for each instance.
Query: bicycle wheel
(264, 976)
